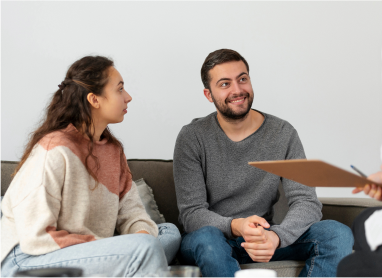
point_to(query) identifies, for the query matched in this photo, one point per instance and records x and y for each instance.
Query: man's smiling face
(231, 90)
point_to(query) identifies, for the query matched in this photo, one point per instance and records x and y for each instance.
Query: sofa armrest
(345, 210)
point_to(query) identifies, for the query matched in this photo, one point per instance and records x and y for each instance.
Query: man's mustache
(236, 96)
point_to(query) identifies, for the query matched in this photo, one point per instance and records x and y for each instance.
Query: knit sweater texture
(53, 202)
(214, 183)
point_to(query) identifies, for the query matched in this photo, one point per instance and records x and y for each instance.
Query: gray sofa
(158, 174)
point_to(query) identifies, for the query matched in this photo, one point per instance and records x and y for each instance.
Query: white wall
(315, 64)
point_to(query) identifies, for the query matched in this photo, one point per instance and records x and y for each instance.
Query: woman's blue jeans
(322, 246)
(118, 256)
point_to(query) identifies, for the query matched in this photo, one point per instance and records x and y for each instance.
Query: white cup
(257, 272)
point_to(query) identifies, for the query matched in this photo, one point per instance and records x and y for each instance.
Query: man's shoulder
(275, 122)
(200, 124)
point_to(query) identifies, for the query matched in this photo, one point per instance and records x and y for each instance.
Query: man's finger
(256, 239)
(259, 252)
(263, 259)
(254, 231)
(259, 220)
(255, 246)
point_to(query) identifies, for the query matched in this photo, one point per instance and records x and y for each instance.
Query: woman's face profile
(114, 100)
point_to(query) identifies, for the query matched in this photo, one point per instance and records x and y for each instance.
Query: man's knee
(207, 234)
(336, 234)
(206, 237)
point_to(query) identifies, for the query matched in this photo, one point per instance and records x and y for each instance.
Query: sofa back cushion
(158, 174)
(7, 168)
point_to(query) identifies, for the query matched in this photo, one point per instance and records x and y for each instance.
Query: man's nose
(236, 87)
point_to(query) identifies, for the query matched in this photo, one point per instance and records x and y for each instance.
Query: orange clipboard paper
(313, 173)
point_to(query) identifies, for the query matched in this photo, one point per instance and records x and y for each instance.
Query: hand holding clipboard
(372, 189)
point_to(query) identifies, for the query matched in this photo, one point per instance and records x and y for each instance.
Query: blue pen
(358, 171)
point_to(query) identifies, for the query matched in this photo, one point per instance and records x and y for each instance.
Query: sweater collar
(71, 127)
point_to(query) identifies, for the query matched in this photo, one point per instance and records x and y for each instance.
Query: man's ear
(207, 94)
(93, 100)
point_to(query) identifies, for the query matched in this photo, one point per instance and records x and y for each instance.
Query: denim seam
(14, 257)
(316, 242)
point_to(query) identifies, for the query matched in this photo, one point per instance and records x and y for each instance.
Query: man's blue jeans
(322, 246)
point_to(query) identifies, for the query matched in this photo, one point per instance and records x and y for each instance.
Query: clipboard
(313, 173)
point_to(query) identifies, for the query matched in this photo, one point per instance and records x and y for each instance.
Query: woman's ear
(93, 100)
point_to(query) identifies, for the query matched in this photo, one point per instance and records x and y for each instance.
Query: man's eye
(225, 84)
(243, 79)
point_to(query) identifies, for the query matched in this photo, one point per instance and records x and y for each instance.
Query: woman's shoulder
(67, 137)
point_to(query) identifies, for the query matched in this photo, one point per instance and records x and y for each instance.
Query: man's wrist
(235, 227)
(275, 239)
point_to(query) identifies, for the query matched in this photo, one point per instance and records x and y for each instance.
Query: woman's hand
(142, 232)
(373, 190)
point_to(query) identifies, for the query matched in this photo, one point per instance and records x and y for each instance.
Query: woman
(367, 230)
(73, 188)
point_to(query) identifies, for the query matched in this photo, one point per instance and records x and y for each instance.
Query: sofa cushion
(283, 268)
(147, 197)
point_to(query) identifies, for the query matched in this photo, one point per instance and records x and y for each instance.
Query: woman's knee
(149, 242)
(170, 229)
(140, 242)
(170, 238)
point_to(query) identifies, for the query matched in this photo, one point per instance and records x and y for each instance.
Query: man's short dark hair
(216, 58)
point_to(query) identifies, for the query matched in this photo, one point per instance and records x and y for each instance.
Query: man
(225, 205)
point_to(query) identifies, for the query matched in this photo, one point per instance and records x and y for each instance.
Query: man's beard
(227, 112)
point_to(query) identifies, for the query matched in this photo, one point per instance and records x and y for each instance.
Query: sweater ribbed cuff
(143, 227)
(281, 234)
(228, 230)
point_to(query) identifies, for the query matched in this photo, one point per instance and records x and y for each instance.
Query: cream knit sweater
(50, 203)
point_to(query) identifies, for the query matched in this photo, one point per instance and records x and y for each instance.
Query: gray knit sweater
(214, 183)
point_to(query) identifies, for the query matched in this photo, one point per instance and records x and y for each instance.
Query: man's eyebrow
(241, 74)
(222, 79)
